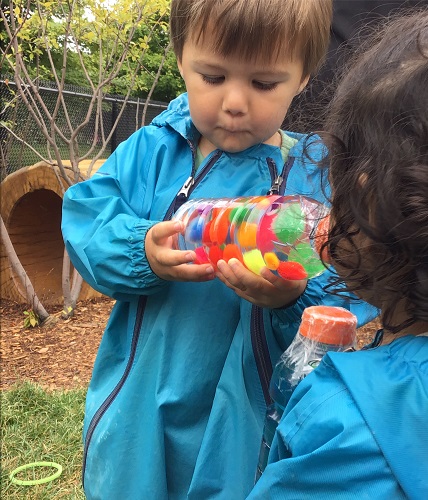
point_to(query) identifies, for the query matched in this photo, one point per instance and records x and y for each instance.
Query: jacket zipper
(276, 179)
(261, 351)
(258, 334)
(191, 182)
(112, 396)
(280, 181)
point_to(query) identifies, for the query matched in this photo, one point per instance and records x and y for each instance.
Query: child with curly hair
(357, 426)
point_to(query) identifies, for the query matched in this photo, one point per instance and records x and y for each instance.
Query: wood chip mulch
(61, 355)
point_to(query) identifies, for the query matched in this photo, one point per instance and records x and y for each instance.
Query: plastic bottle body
(282, 233)
(273, 416)
(303, 355)
(295, 363)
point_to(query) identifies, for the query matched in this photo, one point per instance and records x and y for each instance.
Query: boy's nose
(235, 101)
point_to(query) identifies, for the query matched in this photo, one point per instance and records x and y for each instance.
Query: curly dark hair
(377, 134)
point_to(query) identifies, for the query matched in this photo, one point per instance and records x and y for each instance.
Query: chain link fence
(27, 145)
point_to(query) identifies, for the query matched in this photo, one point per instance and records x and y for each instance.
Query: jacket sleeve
(104, 225)
(323, 448)
(287, 319)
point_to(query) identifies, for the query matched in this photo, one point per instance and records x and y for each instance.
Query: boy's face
(236, 104)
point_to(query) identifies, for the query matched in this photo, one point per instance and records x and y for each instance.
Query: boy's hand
(266, 290)
(170, 264)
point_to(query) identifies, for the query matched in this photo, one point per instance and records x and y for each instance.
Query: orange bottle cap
(329, 325)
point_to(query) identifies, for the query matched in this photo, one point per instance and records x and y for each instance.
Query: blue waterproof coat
(176, 404)
(355, 428)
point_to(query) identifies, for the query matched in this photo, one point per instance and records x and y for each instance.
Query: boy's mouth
(232, 130)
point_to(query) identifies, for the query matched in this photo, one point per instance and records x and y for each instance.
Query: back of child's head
(377, 132)
(256, 29)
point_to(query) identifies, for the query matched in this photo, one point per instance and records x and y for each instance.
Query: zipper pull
(275, 186)
(184, 191)
(183, 194)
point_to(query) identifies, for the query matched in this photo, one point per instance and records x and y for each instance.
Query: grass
(39, 425)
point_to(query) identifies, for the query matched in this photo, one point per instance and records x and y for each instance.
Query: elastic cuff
(140, 265)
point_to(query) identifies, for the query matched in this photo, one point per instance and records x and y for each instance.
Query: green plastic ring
(35, 481)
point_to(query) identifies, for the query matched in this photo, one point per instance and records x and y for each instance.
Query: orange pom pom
(232, 251)
(271, 260)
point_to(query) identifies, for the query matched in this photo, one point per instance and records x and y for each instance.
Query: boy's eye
(264, 85)
(213, 80)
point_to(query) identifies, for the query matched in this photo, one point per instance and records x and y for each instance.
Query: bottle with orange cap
(283, 233)
(323, 329)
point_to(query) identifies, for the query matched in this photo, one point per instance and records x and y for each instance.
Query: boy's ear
(303, 84)
(180, 67)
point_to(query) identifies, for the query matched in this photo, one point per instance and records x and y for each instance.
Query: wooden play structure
(31, 201)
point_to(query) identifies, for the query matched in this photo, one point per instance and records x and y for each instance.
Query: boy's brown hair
(256, 29)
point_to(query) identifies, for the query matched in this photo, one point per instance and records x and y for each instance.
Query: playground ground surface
(61, 355)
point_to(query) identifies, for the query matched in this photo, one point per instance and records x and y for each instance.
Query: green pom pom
(237, 215)
(306, 255)
(289, 224)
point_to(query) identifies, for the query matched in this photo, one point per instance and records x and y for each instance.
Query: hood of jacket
(177, 116)
(390, 387)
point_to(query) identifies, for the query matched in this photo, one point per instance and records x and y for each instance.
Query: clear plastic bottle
(323, 329)
(283, 233)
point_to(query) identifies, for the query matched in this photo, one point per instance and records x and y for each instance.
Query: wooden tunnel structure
(31, 206)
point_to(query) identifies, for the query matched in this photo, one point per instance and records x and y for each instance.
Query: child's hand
(170, 264)
(266, 290)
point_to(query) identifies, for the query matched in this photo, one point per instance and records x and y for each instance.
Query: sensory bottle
(282, 233)
(323, 329)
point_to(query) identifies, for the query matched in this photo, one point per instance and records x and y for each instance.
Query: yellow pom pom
(253, 260)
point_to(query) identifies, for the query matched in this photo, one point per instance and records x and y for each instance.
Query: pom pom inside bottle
(281, 233)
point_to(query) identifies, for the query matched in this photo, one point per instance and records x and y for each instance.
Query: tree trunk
(32, 298)
(71, 293)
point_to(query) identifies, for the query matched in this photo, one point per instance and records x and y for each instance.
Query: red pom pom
(201, 256)
(215, 254)
(292, 271)
(206, 239)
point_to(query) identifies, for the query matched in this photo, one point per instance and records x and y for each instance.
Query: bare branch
(155, 82)
(59, 83)
(22, 274)
(15, 29)
(26, 144)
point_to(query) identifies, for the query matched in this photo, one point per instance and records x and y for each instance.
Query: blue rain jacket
(176, 403)
(355, 428)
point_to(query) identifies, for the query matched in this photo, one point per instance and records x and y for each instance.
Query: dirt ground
(61, 355)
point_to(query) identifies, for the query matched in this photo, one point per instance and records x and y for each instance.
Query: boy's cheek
(359, 266)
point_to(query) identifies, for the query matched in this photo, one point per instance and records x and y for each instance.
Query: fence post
(113, 140)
